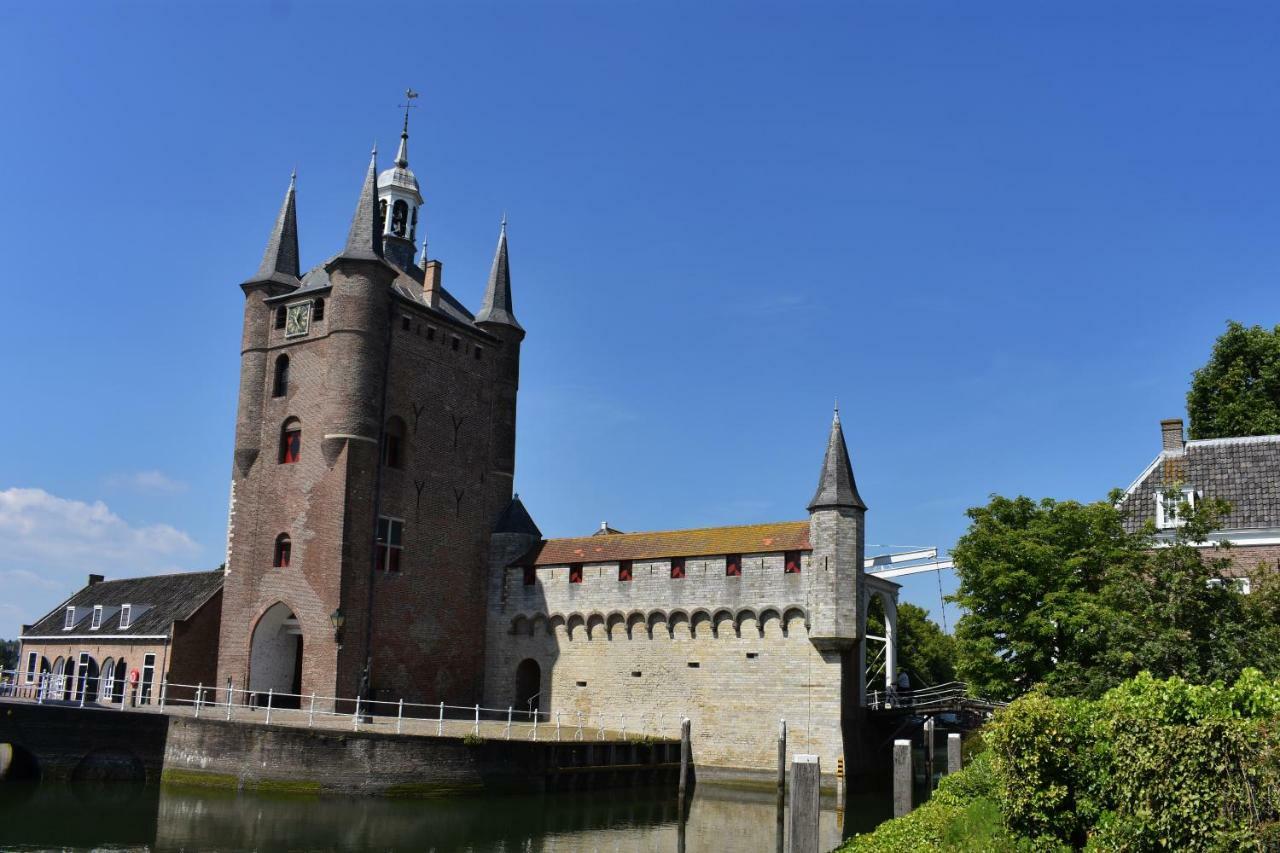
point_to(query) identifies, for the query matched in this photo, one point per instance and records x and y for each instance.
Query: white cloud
(49, 545)
(147, 481)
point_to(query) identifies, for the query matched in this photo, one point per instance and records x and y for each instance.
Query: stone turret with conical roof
(280, 259)
(498, 319)
(837, 534)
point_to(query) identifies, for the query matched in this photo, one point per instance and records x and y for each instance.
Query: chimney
(432, 274)
(1171, 435)
(95, 579)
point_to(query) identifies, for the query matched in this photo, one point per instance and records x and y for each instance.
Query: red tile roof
(700, 542)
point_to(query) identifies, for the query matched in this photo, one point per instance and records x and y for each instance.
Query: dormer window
(69, 621)
(1169, 507)
(125, 615)
(97, 618)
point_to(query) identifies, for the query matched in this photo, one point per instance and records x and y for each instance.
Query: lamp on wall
(337, 618)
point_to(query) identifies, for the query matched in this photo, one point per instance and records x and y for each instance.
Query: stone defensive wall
(731, 652)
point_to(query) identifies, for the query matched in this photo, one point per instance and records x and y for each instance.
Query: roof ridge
(616, 536)
(1233, 439)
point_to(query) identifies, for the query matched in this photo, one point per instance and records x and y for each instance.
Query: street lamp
(337, 618)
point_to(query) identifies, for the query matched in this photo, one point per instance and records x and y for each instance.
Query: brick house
(164, 627)
(1243, 471)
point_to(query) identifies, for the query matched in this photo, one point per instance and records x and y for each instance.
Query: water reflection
(79, 817)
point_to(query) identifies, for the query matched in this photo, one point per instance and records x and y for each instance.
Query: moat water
(100, 818)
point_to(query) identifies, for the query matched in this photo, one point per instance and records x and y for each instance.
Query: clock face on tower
(297, 319)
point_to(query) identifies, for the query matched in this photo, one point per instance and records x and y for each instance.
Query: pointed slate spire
(280, 260)
(364, 242)
(402, 155)
(516, 519)
(836, 487)
(496, 307)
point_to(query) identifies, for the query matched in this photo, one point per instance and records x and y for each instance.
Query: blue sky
(1003, 234)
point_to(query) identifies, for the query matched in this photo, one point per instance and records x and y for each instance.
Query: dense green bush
(1153, 765)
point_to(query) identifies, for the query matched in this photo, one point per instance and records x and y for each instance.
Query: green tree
(8, 654)
(1031, 574)
(1238, 391)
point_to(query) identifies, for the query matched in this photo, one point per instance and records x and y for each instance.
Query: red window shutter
(677, 567)
(292, 445)
(575, 574)
(733, 565)
(285, 547)
(624, 570)
(792, 559)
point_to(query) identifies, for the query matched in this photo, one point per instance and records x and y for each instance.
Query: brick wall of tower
(451, 387)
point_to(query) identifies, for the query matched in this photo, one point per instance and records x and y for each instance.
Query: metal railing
(939, 694)
(317, 711)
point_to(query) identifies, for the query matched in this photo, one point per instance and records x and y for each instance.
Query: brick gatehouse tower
(374, 448)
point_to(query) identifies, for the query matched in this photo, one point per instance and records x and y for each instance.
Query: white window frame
(69, 621)
(97, 618)
(380, 544)
(1242, 585)
(146, 683)
(33, 661)
(1162, 521)
(126, 615)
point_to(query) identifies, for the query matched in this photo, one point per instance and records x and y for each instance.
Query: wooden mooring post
(953, 753)
(806, 778)
(685, 748)
(901, 777)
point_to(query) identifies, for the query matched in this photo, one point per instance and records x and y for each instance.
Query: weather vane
(409, 96)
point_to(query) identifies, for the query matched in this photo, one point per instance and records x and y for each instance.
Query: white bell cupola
(399, 204)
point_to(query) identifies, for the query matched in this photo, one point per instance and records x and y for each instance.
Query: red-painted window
(792, 562)
(390, 543)
(575, 573)
(530, 575)
(291, 441)
(624, 571)
(677, 567)
(283, 549)
(733, 565)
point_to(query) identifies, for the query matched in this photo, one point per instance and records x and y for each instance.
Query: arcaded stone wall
(731, 653)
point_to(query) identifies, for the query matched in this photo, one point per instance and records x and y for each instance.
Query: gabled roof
(1244, 471)
(156, 603)
(699, 542)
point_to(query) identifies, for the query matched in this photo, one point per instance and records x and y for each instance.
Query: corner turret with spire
(837, 533)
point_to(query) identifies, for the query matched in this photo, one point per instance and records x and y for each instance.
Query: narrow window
(624, 571)
(382, 214)
(393, 444)
(575, 573)
(281, 385)
(290, 441)
(693, 664)
(677, 567)
(399, 217)
(477, 353)
(126, 615)
(148, 678)
(284, 547)
(317, 310)
(280, 315)
(733, 565)
(635, 673)
(792, 562)
(431, 333)
(530, 575)
(404, 323)
(390, 543)
(31, 667)
(456, 343)
(70, 621)
(97, 618)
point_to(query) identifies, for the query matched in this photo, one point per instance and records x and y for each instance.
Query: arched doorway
(86, 679)
(54, 690)
(106, 683)
(122, 671)
(529, 687)
(275, 658)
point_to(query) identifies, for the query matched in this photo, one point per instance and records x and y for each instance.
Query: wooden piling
(685, 745)
(782, 758)
(953, 752)
(901, 777)
(805, 781)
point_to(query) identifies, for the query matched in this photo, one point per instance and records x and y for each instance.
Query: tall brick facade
(405, 408)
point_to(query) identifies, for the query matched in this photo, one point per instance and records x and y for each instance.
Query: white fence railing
(315, 710)
(938, 694)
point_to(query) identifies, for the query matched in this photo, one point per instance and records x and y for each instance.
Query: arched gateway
(275, 657)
